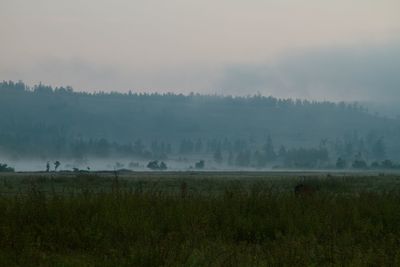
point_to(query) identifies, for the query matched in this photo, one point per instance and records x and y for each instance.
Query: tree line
(258, 131)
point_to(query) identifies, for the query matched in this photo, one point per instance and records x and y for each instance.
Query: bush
(6, 168)
(341, 163)
(155, 165)
(359, 164)
(200, 165)
(387, 164)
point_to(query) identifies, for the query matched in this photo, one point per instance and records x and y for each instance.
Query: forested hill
(43, 120)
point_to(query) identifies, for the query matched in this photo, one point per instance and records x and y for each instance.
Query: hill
(42, 121)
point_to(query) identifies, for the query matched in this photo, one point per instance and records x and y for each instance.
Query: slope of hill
(42, 120)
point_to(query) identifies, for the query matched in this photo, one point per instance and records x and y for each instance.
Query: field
(199, 219)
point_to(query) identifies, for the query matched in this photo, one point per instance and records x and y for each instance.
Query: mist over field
(108, 131)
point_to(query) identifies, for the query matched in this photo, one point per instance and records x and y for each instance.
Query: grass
(227, 220)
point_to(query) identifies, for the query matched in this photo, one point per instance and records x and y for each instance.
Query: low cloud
(80, 74)
(357, 73)
(352, 73)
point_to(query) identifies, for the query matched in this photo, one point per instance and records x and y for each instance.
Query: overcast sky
(334, 50)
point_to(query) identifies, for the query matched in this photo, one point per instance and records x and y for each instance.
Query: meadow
(199, 219)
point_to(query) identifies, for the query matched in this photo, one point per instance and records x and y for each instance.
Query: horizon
(386, 109)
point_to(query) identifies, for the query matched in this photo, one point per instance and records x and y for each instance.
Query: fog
(253, 132)
(366, 74)
(122, 164)
(28, 165)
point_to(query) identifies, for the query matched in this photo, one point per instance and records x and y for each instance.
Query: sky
(315, 49)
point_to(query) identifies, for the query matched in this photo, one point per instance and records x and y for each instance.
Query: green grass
(227, 220)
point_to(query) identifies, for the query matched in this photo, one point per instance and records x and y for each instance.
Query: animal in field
(304, 190)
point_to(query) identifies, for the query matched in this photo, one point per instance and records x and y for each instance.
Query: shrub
(6, 168)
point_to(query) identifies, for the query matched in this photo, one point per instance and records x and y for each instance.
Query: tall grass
(238, 227)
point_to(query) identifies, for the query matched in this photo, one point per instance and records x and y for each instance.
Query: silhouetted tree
(359, 164)
(375, 165)
(155, 165)
(218, 156)
(387, 164)
(243, 159)
(6, 168)
(200, 164)
(198, 146)
(269, 150)
(379, 149)
(341, 163)
(163, 166)
(56, 165)
(230, 158)
(282, 152)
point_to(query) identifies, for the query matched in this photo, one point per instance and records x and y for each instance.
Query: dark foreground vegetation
(215, 220)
